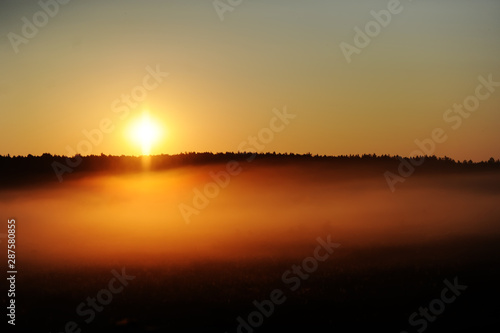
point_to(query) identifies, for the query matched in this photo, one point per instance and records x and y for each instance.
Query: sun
(145, 132)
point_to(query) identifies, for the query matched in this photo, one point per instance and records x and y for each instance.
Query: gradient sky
(226, 77)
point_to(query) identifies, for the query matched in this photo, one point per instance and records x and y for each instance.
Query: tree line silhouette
(25, 169)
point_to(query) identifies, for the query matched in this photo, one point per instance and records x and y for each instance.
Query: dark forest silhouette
(17, 170)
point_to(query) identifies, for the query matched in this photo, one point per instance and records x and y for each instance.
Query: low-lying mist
(263, 212)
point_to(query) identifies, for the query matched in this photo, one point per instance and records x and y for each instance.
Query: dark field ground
(354, 291)
(396, 250)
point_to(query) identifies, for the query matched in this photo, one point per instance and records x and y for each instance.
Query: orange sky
(226, 77)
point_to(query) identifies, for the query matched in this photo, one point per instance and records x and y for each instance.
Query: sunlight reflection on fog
(264, 212)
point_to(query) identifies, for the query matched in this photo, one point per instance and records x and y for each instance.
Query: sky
(77, 76)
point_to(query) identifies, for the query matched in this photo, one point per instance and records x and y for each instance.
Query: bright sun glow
(145, 132)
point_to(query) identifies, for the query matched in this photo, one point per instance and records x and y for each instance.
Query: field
(260, 239)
